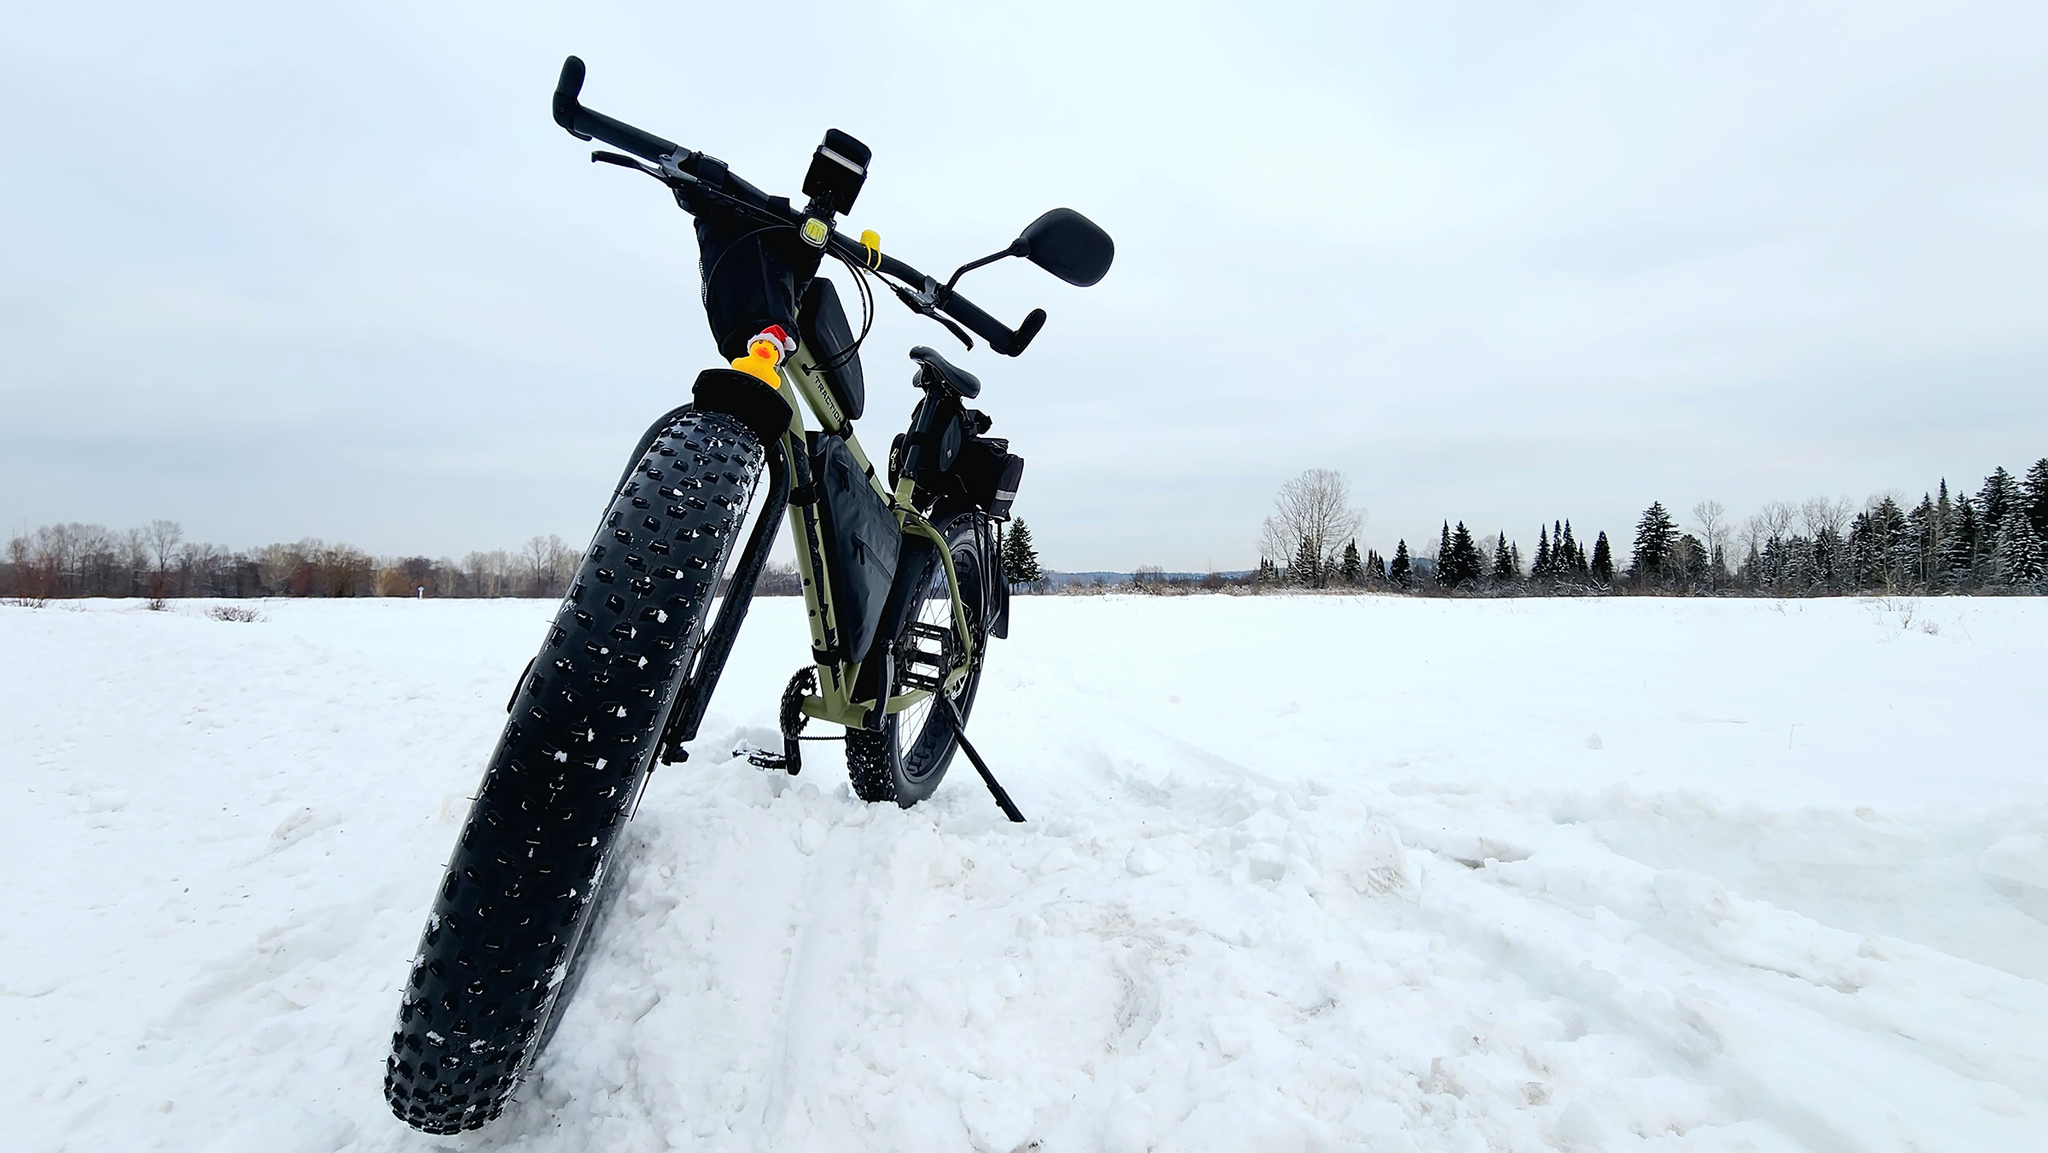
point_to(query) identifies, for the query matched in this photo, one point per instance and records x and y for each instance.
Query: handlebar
(584, 124)
(998, 335)
(711, 173)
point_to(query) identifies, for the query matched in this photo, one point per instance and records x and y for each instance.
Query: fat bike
(899, 566)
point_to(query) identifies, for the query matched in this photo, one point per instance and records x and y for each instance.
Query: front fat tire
(511, 910)
(907, 759)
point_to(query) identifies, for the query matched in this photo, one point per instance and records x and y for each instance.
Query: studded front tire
(514, 902)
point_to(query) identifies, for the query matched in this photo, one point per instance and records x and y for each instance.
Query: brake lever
(955, 329)
(921, 304)
(600, 156)
(671, 174)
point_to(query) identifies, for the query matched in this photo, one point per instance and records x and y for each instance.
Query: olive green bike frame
(801, 377)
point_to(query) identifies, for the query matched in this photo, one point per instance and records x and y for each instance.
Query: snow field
(1301, 873)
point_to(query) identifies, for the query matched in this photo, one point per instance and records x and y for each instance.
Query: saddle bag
(988, 474)
(862, 543)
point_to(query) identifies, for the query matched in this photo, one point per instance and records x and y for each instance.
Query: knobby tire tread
(569, 765)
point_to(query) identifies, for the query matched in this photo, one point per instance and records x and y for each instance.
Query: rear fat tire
(907, 759)
(513, 905)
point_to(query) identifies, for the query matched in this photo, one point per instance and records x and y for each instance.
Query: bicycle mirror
(1070, 246)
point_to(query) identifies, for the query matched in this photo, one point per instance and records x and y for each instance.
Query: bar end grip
(1026, 331)
(567, 88)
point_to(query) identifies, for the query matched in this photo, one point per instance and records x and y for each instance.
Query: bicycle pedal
(926, 654)
(761, 758)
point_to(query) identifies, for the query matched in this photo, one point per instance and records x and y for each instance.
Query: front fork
(694, 695)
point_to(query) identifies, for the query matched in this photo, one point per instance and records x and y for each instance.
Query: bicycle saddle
(959, 380)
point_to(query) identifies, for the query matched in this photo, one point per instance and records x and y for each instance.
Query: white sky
(334, 272)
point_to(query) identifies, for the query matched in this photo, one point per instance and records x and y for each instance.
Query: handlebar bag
(750, 276)
(862, 543)
(828, 337)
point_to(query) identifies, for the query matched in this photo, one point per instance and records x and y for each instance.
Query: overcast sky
(278, 271)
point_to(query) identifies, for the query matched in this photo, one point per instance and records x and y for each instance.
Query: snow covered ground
(1302, 873)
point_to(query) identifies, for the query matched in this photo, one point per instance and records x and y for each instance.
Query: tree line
(1991, 541)
(157, 562)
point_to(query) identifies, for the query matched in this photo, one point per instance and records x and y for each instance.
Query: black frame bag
(862, 543)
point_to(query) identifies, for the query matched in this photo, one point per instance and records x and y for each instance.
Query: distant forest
(1990, 542)
(157, 562)
(1987, 542)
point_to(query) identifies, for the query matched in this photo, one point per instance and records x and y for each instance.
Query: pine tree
(2035, 490)
(1471, 558)
(1688, 560)
(2019, 551)
(1506, 566)
(1997, 494)
(1351, 568)
(1375, 566)
(1401, 570)
(1890, 547)
(1572, 561)
(1602, 567)
(1020, 560)
(1959, 551)
(1542, 568)
(1656, 535)
(1460, 562)
(1924, 528)
(1306, 569)
(1445, 567)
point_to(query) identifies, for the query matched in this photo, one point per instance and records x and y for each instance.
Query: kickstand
(987, 778)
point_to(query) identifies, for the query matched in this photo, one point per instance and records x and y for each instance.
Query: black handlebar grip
(584, 124)
(980, 323)
(566, 90)
(1029, 329)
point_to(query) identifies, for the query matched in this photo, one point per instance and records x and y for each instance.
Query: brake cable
(867, 316)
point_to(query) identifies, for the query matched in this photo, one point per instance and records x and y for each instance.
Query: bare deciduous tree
(1713, 521)
(1777, 519)
(163, 537)
(135, 547)
(488, 573)
(1755, 534)
(1312, 518)
(344, 571)
(545, 566)
(1820, 514)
